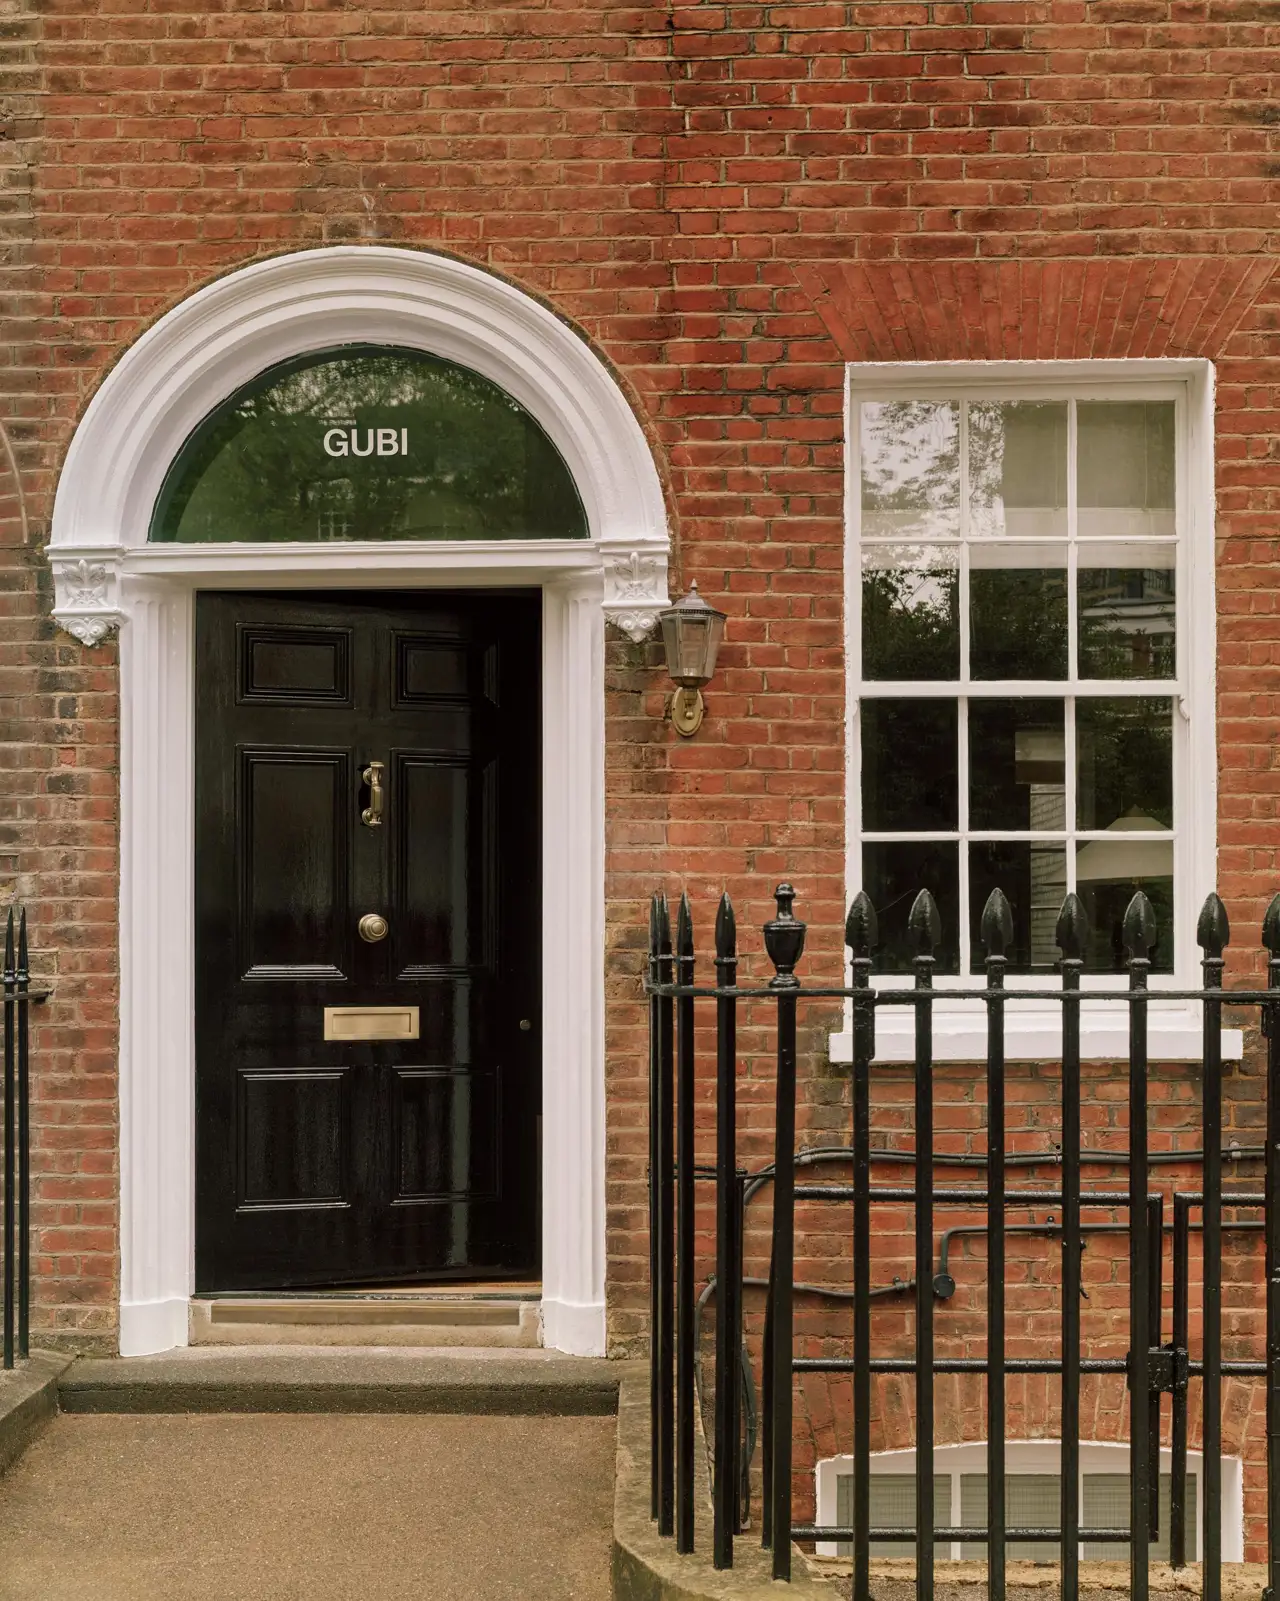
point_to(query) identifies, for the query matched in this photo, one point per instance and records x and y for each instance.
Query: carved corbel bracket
(86, 592)
(635, 589)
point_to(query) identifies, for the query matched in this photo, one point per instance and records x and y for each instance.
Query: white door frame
(106, 576)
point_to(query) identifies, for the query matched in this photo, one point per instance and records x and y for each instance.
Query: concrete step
(515, 1382)
(488, 1318)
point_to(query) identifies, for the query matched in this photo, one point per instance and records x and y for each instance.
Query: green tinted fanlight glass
(369, 444)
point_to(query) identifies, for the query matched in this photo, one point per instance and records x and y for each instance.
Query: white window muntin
(1188, 384)
(1036, 1456)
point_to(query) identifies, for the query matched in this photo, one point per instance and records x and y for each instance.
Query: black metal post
(742, 1498)
(1139, 937)
(1271, 1027)
(1155, 1301)
(1181, 1328)
(1212, 934)
(686, 1356)
(861, 934)
(655, 1219)
(10, 1135)
(926, 931)
(1071, 934)
(766, 1413)
(22, 987)
(997, 935)
(666, 1230)
(784, 941)
(728, 1262)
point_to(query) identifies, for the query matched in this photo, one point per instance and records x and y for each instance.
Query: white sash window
(1030, 631)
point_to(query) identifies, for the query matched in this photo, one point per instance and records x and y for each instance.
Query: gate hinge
(1168, 1369)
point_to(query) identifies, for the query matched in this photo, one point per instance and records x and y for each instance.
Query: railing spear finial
(1071, 933)
(1213, 929)
(925, 924)
(861, 927)
(997, 924)
(1140, 928)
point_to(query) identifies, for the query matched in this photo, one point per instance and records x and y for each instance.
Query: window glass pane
(1018, 612)
(1018, 469)
(1127, 613)
(910, 452)
(1034, 878)
(910, 612)
(1106, 1506)
(368, 443)
(1124, 771)
(1105, 900)
(1017, 764)
(893, 1506)
(893, 875)
(1031, 1501)
(1125, 467)
(909, 765)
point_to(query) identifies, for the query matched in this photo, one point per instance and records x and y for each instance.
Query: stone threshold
(488, 1316)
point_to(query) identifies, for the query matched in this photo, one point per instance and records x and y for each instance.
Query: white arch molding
(107, 576)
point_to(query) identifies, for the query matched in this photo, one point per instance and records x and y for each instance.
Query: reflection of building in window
(1127, 622)
(1040, 762)
(332, 524)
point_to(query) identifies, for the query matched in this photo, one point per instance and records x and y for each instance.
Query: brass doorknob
(373, 927)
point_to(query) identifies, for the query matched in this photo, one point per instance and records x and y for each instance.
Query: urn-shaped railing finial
(784, 939)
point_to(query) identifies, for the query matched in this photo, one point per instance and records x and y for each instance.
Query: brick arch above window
(1034, 310)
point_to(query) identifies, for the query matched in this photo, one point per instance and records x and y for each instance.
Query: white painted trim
(106, 575)
(959, 1028)
(205, 348)
(1037, 1456)
(150, 1326)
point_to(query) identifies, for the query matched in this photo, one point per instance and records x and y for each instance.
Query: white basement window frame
(953, 1463)
(1034, 1031)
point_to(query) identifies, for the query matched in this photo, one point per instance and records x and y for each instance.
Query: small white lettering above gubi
(367, 442)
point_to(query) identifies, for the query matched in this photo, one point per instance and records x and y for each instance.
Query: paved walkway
(310, 1508)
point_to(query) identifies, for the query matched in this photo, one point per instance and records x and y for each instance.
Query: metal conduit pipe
(944, 1285)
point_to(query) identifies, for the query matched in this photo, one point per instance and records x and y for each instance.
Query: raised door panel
(443, 864)
(293, 666)
(293, 832)
(294, 1138)
(446, 1135)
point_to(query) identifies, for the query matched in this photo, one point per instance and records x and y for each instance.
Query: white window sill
(1174, 1034)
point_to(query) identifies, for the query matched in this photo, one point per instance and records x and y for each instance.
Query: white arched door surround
(107, 576)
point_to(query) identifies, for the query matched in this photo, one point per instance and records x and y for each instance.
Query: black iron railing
(17, 1140)
(1152, 1370)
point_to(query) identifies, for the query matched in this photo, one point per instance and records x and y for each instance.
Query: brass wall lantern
(691, 635)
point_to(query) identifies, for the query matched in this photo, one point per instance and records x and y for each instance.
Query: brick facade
(729, 202)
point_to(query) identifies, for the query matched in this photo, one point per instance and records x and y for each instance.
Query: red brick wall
(729, 201)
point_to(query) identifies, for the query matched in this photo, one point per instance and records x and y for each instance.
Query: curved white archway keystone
(106, 576)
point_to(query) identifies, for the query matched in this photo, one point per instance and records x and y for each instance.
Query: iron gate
(1154, 1368)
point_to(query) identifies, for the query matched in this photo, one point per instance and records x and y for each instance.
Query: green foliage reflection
(363, 443)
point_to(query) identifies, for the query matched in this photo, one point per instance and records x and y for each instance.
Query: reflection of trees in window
(910, 622)
(477, 464)
(910, 465)
(1018, 465)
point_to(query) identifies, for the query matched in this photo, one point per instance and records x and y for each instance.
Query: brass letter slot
(371, 1022)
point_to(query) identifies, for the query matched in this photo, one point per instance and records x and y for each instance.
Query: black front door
(367, 938)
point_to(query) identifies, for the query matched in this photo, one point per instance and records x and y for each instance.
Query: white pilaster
(157, 1117)
(573, 1207)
